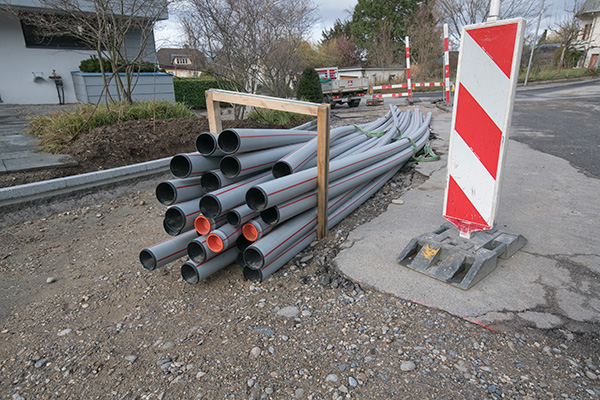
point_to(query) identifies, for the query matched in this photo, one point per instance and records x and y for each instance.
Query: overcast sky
(169, 34)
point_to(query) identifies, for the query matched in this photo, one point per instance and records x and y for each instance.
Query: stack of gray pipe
(250, 194)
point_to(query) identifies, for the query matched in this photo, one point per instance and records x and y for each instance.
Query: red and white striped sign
(488, 69)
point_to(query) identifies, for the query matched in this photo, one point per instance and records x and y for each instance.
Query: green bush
(190, 91)
(276, 117)
(92, 64)
(309, 87)
(58, 128)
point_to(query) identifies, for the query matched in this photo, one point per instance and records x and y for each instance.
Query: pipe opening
(250, 232)
(181, 166)
(210, 206)
(214, 242)
(202, 225)
(234, 218)
(242, 243)
(166, 193)
(229, 141)
(174, 221)
(148, 260)
(270, 215)
(281, 168)
(256, 199)
(251, 275)
(230, 166)
(253, 258)
(196, 252)
(206, 144)
(210, 182)
(189, 274)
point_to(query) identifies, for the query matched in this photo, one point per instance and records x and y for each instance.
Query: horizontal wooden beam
(273, 103)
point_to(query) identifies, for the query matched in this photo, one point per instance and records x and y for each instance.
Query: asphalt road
(563, 121)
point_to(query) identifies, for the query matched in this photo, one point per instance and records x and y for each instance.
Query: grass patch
(549, 73)
(277, 117)
(59, 128)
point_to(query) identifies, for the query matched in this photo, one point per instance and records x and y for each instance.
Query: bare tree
(251, 42)
(384, 51)
(567, 31)
(120, 31)
(425, 41)
(458, 13)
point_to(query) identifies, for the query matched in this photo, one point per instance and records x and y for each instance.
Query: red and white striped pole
(408, 69)
(446, 64)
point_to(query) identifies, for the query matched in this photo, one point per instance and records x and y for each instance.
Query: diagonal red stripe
(459, 206)
(498, 42)
(478, 130)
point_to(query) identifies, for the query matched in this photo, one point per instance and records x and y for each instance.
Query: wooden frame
(321, 111)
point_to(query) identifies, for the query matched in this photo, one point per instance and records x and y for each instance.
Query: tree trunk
(562, 59)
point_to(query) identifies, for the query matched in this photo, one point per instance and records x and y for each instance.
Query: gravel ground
(81, 319)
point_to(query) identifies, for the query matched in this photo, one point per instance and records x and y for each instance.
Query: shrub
(92, 64)
(277, 117)
(190, 91)
(309, 87)
(58, 128)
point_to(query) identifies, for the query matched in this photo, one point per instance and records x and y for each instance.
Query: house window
(586, 32)
(181, 61)
(34, 38)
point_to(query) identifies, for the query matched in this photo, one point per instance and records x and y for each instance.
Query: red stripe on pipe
(170, 255)
(181, 187)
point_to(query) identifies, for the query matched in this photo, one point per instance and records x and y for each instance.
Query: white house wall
(19, 66)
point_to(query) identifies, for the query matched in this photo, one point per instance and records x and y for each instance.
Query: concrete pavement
(18, 151)
(552, 282)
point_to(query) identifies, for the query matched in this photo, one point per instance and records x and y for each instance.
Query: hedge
(190, 91)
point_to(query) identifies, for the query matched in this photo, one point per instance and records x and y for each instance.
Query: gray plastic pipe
(206, 144)
(185, 165)
(198, 251)
(240, 215)
(288, 209)
(243, 140)
(289, 253)
(180, 217)
(267, 248)
(227, 198)
(268, 194)
(255, 161)
(178, 190)
(192, 272)
(214, 180)
(205, 225)
(294, 160)
(283, 167)
(222, 238)
(164, 252)
(256, 229)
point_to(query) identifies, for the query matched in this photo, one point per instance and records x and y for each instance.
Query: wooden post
(322, 170)
(321, 111)
(214, 113)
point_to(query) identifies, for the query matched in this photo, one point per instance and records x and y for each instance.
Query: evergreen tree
(309, 87)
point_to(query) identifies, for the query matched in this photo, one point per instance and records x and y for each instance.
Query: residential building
(183, 63)
(30, 63)
(589, 39)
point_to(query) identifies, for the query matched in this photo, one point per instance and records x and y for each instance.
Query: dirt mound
(127, 143)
